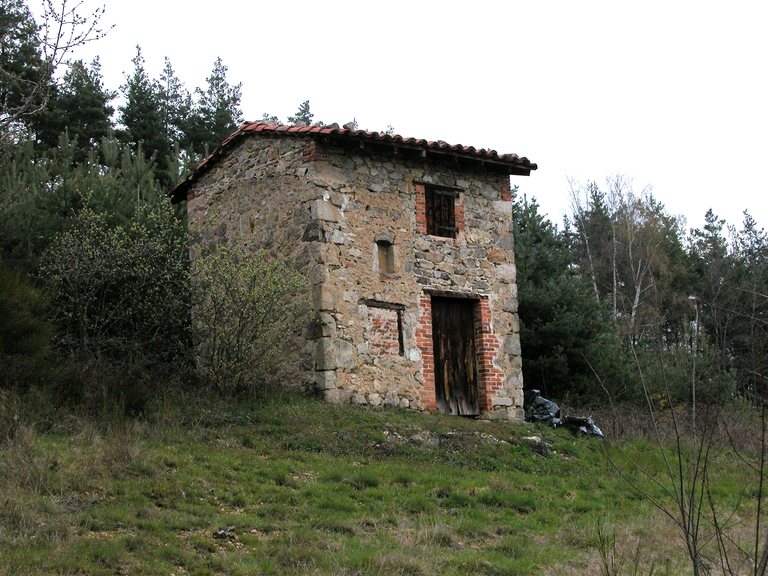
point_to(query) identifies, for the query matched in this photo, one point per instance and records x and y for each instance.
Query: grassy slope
(309, 488)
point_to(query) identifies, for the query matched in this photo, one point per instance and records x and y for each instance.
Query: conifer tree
(562, 333)
(593, 241)
(175, 104)
(750, 342)
(31, 54)
(303, 116)
(80, 106)
(217, 111)
(142, 118)
(24, 77)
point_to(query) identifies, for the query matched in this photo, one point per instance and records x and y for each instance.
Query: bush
(669, 377)
(120, 292)
(120, 303)
(246, 311)
(25, 333)
(24, 328)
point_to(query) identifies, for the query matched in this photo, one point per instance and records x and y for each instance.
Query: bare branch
(63, 30)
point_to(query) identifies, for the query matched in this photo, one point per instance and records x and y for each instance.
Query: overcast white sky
(673, 93)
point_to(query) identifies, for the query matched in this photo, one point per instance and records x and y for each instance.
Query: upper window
(441, 212)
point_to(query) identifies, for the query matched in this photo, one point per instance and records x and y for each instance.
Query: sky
(672, 94)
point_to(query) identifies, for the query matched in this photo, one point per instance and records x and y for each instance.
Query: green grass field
(291, 485)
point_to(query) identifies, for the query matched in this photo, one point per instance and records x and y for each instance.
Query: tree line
(96, 286)
(622, 290)
(44, 94)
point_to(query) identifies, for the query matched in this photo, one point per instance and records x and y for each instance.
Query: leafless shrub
(692, 442)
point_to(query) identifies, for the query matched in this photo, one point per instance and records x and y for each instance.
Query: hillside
(290, 485)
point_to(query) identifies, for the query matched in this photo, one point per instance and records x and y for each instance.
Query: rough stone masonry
(383, 228)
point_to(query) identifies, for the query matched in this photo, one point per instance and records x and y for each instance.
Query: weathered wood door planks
(453, 338)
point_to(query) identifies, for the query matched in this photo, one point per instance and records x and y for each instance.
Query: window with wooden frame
(440, 205)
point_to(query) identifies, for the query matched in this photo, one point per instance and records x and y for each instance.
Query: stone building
(408, 252)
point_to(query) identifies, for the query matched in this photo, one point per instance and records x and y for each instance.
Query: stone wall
(258, 197)
(330, 209)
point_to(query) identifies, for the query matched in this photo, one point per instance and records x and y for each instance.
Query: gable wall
(258, 197)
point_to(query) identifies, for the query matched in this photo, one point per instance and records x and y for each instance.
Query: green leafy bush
(246, 312)
(120, 302)
(120, 292)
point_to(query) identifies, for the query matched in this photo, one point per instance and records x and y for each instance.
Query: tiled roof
(510, 162)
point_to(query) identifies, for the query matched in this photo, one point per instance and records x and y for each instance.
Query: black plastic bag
(539, 409)
(582, 427)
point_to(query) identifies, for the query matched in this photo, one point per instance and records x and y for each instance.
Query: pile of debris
(539, 409)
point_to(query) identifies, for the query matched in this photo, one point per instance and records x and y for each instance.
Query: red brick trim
(424, 343)
(487, 347)
(421, 209)
(314, 152)
(489, 378)
(384, 336)
(506, 189)
(459, 207)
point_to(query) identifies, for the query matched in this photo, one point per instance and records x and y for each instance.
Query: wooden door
(453, 338)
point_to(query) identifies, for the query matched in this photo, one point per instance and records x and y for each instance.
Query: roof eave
(512, 164)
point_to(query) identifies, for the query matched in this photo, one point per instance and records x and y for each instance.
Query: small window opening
(441, 212)
(385, 333)
(386, 255)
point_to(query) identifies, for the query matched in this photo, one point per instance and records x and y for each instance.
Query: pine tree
(750, 342)
(31, 54)
(79, 106)
(303, 116)
(217, 111)
(175, 104)
(42, 193)
(593, 241)
(24, 75)
(268, 118)
(142, 118)
(562, 333)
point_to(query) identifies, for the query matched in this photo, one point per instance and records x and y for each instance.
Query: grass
(297, 486)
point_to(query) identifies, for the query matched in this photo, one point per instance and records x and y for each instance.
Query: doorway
(453, 340)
